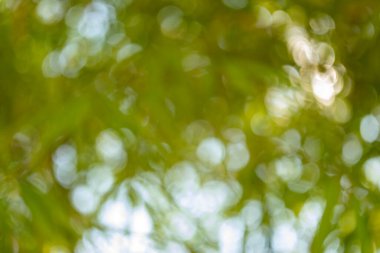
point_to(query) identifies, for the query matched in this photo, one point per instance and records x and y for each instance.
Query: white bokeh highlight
(369, 128)
(211, 151)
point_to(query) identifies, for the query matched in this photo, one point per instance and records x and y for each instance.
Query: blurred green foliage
(187, 122)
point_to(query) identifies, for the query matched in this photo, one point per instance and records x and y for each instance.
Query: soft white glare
(195, 61)
(171, 24)
(323, 88)
(309, 217)
(261, 124)
(263, 173)
(121, 3)
(148, 186)
(352, 150)
(186, 199)
(341, 111)
(18, 206)
(170, 19)
(211, 224)
(196, 131)
(50, 11)
(141, 222)
(322, 24)
(360, 193)
(211, 150)
(293, 74)
(23, 140)
(175, 247)
(369, 128)
(372, 170)
(289, 168)
(291, 141)
(214, 196)
(326, 54)
(231, 235)
(125, 105)
(310, 54)
(252, 214)
(257, 242)
(183, 228)
(115, 214)
(280, 17)
(312, 147)
(234, 135)
(279, 214)
(301, 186)
(237, 156)
(40, 182)
(283, 102)
(110, 148)
(284, 238)
(116, 38)
(50, 65)
(345, 182)
(300, 46)
(95, 20)
(128, 136)
(211, 198)
(67, 62)
(84, 199)
(71, 59)
(73, 15)
(100, 178)
(264, 17)
(140, 243)
(236, 4)
(182, 177)
(64, 165)
(127, 51)
(333, 246)
(95, 240)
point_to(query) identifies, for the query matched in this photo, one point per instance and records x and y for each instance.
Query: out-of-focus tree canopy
(189, 126)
